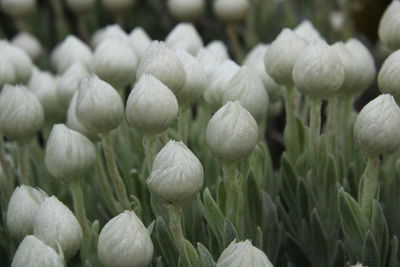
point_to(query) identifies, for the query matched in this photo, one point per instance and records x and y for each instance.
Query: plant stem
(230, 181)
(290, 131)
(6, 167)
(22, 158)
(315, 130)
(149, 150)
(183, 124)
(234, 41)
(369, 185)
(79, 208)
(118, 183)
(175, 226)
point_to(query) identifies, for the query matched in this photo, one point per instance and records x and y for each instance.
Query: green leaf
(380, 229)
(205, 256)
(320, 238)
(165, 242)
(393, 261)
(229, 233)
(339, 255)
(188, 256)
(371, 255)
(289, 183)
(302, 199)
(253, 202)
(296, 253)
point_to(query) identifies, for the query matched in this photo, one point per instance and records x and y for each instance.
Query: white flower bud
(218, 48)
(124, 241)
(99, 106)
(70, 156)
(151, 106)
(22, 208)
(357, 265)
(44, 86)
(21, 114)
(255, 61)
(376, 128)
(248, 89)
(195, 81)
(162, 63)
(115, 62)
(56, 224)
(318, 72)
(18, 8)
(365, 62)
(186, 10)
(32, 253)
(218, 82)
(185, 36)
(337, 20)
(140, 40)
(232, 133)
(275, 108)
(7, 71)
(69, 82)
(117, 6)
(282, 55)
(19, 59)
(389, 26)
(231, 10)
(308, 32)
(29, 43)
(113, 31)
(389, 75)
(81, 6)
(71, 50)
(176, 176)
(243, 253)
(210, 61)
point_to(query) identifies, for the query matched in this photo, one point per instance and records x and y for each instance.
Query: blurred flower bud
(29, 43)
(115, 62)
(22, 208)
(389, 76)
(81, 6)
(275, 108)
(218, 48)
(113, 31)
(151, 106)
(21, 114)
(7, 71)
(337, 20)
(389, 26)
(32, 253)
(357, 265)
(282, 55)
(117, 6)
(186, 10)
(70, 156)
(56, 224)
(243, 253)
(19, 59)
(376, 128)
(232, 133)
(231, 10)
(185, 36)
(140, 40)
(176, 176)
(124, 241)
(18, 8)
(248, 89)
(209, 61)
(162, 63)
(99, 107)
(308, 32)
(318, 72)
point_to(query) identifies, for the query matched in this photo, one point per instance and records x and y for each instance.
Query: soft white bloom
(210, 61)
(389, 26)
(56, 224)
(389, 76)
(29, 43)
(124, 241)
(231, 10)
(239, 254)
(176, 176)
(7, 71)
(185, 36)
(99, 107)
(337, 20)
(140, 40)
(18, 8)
(72, 121)
(113, 31)
(32, 252)
(117, 6)
(115, 62)
(81, 6)
(70, 156)
(307, 31)
(232, 132)
(69, 51)
(19, 59)
(219, 49)
(22, 208)
(21, 114)
(186, 10)
(162, 63)
(151, 106)
(376, 128)
(282, 55)
(319, 72)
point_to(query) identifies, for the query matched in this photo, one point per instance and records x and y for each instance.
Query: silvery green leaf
(394, 261)
(165, 242)
(339, 256)
(371, 255)
(205, 256)
(188, 256)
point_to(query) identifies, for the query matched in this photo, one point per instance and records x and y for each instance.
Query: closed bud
(140, 40)
(117, 6)
(219, 49)
(185, 36)
(115, 62)
(151, 106)
(7, 71)
(21, 114)
(308, 32)
(29, 43)
(243, 253)
(282, 55)
(318, 72)
(19, 59)
(209, 61)
(124, 241)
(389, 26)
(70, 156)
(231, 10)
(248, 89)
(32, 252)
(99, 107)
(113, 31)
(389, 76)
(232, 133)
(80, 6)
(176, 176)
(186, 10)
(376, 128)
(22, 208)
(162, 63)
(55, 225)
(18, 8)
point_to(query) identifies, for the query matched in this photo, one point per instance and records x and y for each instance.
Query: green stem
(22, 158)
(118, 183)
(369, 185)
(183, 124)
(175, 226)
(79, 208)
(149, 150)
(230, 181)
(6, 167)
(315, 130)
(234, 41)
(290, 131)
